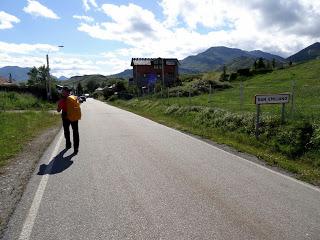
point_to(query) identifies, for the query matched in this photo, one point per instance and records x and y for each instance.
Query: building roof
(148, 61)
(141, 61)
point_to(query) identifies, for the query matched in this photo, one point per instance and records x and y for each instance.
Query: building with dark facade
(147, 72)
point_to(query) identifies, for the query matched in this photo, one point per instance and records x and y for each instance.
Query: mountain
(62, 78)
(125, 74)
(98, 78)
(73, 81)
(215, 57)
(268, 56)
(238, 63)
(17, 73)
(309, 53)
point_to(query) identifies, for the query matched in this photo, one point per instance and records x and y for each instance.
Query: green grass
(22, 101)
(302, 79)
(17, 129)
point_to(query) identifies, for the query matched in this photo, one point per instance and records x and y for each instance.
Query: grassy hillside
(303, 80)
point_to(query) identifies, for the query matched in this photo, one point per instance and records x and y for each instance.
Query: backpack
(73, 108)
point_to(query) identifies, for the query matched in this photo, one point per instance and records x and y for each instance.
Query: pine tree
(79, 89)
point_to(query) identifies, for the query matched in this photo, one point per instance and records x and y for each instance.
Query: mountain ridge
(210, 60)
(215, 57)
(309, 53)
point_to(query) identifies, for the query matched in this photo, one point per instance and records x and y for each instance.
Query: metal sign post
(257, 121)
(260, 99)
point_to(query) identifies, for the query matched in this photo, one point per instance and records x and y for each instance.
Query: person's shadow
(57, 165)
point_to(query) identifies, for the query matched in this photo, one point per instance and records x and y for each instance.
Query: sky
(101, 36)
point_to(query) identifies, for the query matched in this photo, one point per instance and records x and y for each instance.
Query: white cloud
(26, 48)
(232, 23)
(37, 9)
(208, 13)
(7, 20)
(87, 3)
(83, 18)
(130, 24)
(61, 64)
(189, 27)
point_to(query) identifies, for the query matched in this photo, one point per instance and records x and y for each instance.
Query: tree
(103, 84)
(42, 75)
(92, 85)
(33, 76)
(10, 78)
(79, 89)
(260, 63)
(224, 76)
(273, 63)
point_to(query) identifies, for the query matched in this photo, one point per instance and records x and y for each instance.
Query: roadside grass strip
(22, 101)
(17, 129)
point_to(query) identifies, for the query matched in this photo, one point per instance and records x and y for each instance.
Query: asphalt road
(136, 179)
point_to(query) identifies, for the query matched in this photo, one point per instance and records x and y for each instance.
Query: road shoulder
(15, 176)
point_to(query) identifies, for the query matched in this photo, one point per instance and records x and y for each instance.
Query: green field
(302, 80)
(17, 129)
(22, 101)
(226, 118)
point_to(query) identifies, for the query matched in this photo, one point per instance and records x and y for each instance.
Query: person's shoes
(68, 146)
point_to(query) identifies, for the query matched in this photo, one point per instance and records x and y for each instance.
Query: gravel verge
(15, 176)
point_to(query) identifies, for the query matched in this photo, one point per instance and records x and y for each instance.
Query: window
(157, 64)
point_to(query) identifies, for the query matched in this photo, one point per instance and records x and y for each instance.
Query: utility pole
(48, 75)
(162, 73)
(48, 79)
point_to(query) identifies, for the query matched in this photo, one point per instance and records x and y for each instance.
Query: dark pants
(66, 128)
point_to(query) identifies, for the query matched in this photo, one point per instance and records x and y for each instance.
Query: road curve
(136, 179)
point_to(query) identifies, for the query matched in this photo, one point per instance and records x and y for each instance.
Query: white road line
(29, 222)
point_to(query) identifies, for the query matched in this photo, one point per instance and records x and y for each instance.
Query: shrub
(113, 98)
(97, 95)
(183, 91)
(233, 76)
(217, 118)
(294, 140)
(315, 139)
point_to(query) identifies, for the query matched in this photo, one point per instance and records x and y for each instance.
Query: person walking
(71, 114)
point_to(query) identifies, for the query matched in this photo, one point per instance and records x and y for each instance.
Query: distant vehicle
(82, 99)
(87, 95)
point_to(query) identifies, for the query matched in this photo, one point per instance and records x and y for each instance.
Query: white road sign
(272, 98)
